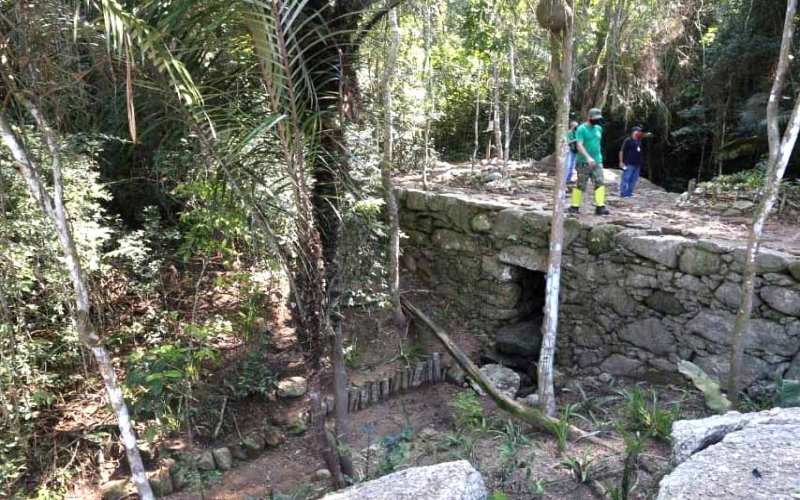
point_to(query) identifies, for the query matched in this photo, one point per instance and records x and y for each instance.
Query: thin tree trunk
(429, 94)
(780, 151)
(561, 74)
(507, 118)
(386, 172)
(498, 136)
(53, 208)
(477, 116)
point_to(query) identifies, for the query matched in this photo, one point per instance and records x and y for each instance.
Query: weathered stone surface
(292, 387)
(481, 223)
(717, 366)
(601, 239)
(505, 379)
(509, 225)
(665, 302)
(522, 339)
(223, 458)
(729, 294)
(416, 200)
(321, 475)
(793, 372)
(650, 335)
(453, 241)
(782, 299)
(504, 295)
(272, 436)
(767, 261)
(525, 257)
(499, 271)
(206, 461)
(661, 249)
(117, 489)
(692, 436)
(692, 284)
(253, 444)
(699, 262)
(794, 269)
(618, 364)
(530, 400)
(460, 213)
(446, 481)
(618, 300)
(736, 457)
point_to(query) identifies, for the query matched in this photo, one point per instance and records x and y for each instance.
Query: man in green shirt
(589, 137)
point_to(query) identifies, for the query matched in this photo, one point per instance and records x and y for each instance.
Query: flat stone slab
(735, 456)
(446, 481)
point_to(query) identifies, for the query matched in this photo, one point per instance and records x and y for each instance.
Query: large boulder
(447, 481)
(505, 379)
(699, 262)
(650, 335)
(736, 456)
(292, 387)
(782, 299)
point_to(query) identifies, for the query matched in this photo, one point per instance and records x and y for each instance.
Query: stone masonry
(634, 301)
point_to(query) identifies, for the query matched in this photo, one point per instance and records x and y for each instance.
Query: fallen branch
(532, 416)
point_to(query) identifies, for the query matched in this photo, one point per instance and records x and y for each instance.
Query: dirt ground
(530, 184)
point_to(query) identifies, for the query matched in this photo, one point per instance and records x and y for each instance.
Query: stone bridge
(634, 301)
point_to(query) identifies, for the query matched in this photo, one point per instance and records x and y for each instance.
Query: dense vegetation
(205, 164)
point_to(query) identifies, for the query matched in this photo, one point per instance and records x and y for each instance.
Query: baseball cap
(595, 113)
(636, 129)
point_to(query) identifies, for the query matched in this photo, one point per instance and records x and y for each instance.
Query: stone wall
(634, 301)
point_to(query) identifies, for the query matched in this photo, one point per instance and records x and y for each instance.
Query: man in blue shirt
(630, 161)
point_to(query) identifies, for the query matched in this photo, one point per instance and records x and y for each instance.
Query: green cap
(595, 113)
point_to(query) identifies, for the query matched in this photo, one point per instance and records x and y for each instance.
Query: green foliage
(396, 451)
(581, 466)
(512, 440)
(560, 428)
(787, 392)
(255, 378)
(710, 389)
(644, 412)
(467, 411)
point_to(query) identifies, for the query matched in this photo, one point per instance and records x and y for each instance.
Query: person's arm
(621, 150)
(582, 151)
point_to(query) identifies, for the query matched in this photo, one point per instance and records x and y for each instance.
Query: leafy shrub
(468, 412)
(645, 413)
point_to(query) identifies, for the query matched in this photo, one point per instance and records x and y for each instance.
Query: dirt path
(531, 185)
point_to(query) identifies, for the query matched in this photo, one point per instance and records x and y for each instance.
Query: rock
(793, 372)
(272, 437)
(481, 223)
(736, 457)
(665, 302)
(526, 257)
(322, 475)
(238, 452)
(620, 365)
(509, 224)
(661, 249)
(716, 366)
(492, 176)
(601, 238)
(452, 241)
(522, 339)
(117, 489)
(699, 262)
(502, 295)
(292, 387)
(161, 482)
(692, 436)
(298, 425)
(794, 270)
(180, 478)
(767, 261)
(650, 335)
(531, 400)
(729, 294)
(223, 458)
(428, 434)
(460, 213)
(605, 378)
(253, 444)
(504, 379)
(618, 300)
(455, 375)
(782, 299)
(692, 284)
(742, 205)
(206, 461)
(416, 200)
(499, 271)
(445, 481)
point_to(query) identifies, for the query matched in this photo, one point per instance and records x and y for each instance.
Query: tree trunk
(53, 207)
(429, 109)
(561, 44)
(386, 172)
(477, 116)
(507, 117)
(780, 151)
(498, 136)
